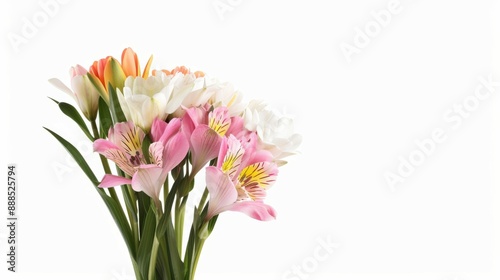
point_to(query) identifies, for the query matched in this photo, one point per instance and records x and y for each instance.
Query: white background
(357, 118)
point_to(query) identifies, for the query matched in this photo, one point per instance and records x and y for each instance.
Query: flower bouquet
(162, 131)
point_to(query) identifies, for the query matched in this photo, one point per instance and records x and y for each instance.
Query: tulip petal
(99, 86)
(130, 63)
(97, 69)
(113, 73)
(78, 70)
(145, 72)
(59, 85)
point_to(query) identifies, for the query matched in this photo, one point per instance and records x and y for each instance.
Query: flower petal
(156, 153)
(97, 69)
(254, 209)
(129, 138)
(205, 144)
(261, 174)
(113, 73)
(221, 189)
(219, 120)
(149, 179)
(58, 84)
(157, 129)
(145, 73)
(121, 159)
(175, 151)
(111, 181)
(101, 146)
(231, 159)
(170, 129)
(130, 63)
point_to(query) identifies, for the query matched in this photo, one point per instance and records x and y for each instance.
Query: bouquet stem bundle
(161, 132)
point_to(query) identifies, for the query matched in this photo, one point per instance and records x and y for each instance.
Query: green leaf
(162, 263)
(77, 156)
(105, 120)
(162, 225)
(144, 204)
(114, 208)
(72, 112)
(174, 260)
(144, 251)
(189, 254)
(114, 106)
(57, 102)
(121, 221)
(211, 223)
(129, 202)
(185, 185)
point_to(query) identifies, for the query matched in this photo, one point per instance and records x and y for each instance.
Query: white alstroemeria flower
(157, 96)
(179, 88)
(210, 91)
(228, 97)
(143, 100)
(274, 129)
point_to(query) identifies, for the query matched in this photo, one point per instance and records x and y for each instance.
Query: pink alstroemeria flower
(168, 150)
(239, 183)
(205, 130)
(124, 146)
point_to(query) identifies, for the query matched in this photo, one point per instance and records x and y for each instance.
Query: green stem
(200, 244)
(180, 208)
(134, 225)
(137, 272)
(202, 201)
(152, 261)
(132, 213)
(156, 243)
(165, 192)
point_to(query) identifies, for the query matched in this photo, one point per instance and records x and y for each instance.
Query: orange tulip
(97, 69)
(130, 63)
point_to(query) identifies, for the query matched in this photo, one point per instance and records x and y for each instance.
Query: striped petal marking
(219, 120)
(256, 178)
